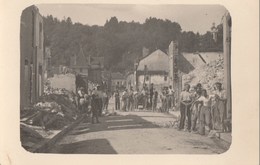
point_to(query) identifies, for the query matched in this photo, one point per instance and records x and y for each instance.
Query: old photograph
(125, 79)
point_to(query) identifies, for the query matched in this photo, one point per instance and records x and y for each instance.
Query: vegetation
(121, 43)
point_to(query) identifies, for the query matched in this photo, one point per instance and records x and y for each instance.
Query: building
(130, 80)
(79, 63)
(86, 68)
(96, 67)
(181, 63)
(47, 63)
(153, 68)
(31, 56)
(117, 81)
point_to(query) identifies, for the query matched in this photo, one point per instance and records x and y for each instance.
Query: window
(165, 78)
(26, 62)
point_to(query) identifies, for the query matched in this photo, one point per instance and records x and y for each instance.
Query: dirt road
(136, 133)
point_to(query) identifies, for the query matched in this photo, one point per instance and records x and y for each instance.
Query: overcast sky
(196, 18)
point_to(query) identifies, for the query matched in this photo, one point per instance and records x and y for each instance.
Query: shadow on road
(110, 123)
(94, 146)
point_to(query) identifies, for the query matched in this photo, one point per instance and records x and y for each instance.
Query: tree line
(121, 42)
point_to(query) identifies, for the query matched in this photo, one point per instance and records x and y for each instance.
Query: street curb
(45, 145)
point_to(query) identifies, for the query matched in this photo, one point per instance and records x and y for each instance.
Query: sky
(196, 18)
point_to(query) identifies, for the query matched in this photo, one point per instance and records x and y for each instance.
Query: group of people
(198, 107)
(147, 98)
(92, 101)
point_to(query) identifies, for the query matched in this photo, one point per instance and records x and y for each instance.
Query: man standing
(185, 105)
(154, 102)
(136, 96)
(219, 107)
(195, 108)
(98, 94)
(81, 94)
(171, 95)
(117, 100)
(94, 107)
(151, 94)
(130, 103)
(124, 100)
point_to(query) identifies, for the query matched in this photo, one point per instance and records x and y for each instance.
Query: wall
(67, 81)
(122, 82)
(31, 56)
(81, 71)
(130, 81)
(158, 81)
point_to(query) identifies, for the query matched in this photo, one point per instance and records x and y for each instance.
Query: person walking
(185, 105)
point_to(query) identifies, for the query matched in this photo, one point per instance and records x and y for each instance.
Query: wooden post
(227, 60)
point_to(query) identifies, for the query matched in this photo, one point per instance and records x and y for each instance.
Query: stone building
(31, 56)
(153, 68)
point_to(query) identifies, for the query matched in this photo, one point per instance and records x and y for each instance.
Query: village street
(135, 133)
(84, 69)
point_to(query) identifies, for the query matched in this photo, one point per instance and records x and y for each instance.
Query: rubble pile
(55, 110)
(207, 75)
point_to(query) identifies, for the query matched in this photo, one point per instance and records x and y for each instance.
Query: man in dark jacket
(95, 108)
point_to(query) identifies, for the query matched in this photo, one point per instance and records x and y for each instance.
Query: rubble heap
(55, 110)
(207, 75)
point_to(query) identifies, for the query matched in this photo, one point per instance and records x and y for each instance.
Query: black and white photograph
(125, 79)
(129, 82)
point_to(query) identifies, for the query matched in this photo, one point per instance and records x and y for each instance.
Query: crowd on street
(200, 112)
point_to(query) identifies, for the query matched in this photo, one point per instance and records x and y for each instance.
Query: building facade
(153, 68)
(117, 81)
(32, 56)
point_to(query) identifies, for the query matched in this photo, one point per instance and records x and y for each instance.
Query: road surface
(135, 133)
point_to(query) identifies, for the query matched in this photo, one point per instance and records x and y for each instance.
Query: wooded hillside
(121, 42)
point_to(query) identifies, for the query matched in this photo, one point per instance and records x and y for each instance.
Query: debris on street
(55, 110)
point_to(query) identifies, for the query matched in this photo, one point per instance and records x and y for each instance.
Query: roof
(81, 60)
(156, 61)
(196, 61)
(189, 61)
(97, 61)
